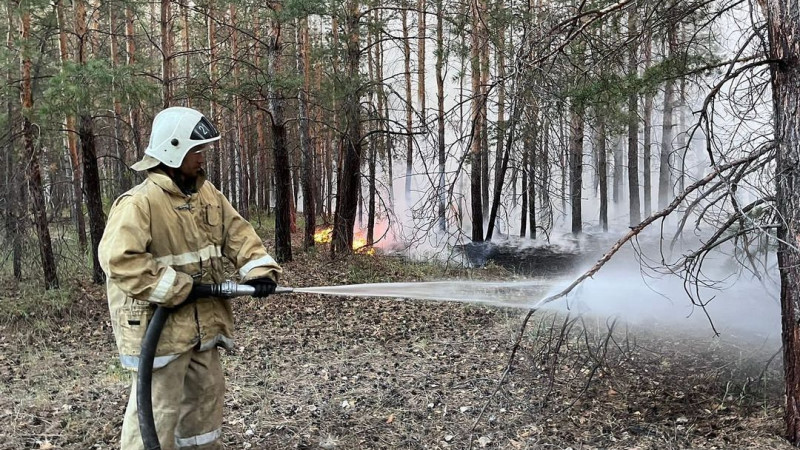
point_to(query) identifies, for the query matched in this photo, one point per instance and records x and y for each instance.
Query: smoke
(729, 299)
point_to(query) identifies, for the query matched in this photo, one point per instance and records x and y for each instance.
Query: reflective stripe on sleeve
(263, 261)
(204, 254)
(200, 439)
(163, 286)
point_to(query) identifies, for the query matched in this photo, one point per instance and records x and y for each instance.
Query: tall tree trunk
(166, 53)
(390, 151)
(501, 119)
(91, 182)
(334, 173)
(384, 144)
(187, 47)
(280, 150)
(539, 131)
(664, 170)
(373, 37)
(306, 151)
(409, 106)
(33, 172)
(440, 127)
(784, 30)
(243, 179)
(13, 186)
(484, 107)
(540, 163)
(647, 124)
(681, 134)
(633, 124)
(211, 32)
(576, 166)
(91, 171)
(351, 146)
(71, 137)
(616, 194)
(123, 175)
(523, 217)
(421, 31)
(475, 153)
(130, 46)
(501, 174)
(602, 169)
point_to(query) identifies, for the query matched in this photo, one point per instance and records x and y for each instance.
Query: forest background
(422, 124)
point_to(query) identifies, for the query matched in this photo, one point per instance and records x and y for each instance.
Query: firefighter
(163, 236)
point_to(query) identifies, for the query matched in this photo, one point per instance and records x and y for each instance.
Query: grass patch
(30, 303)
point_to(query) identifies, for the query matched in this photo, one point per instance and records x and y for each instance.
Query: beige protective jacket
(156, 242)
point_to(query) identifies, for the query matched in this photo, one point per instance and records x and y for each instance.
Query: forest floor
(347, 373)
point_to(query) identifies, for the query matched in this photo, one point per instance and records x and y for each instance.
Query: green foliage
(303, 8)
(81, 88)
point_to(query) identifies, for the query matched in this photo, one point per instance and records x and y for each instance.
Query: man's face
(193, 162)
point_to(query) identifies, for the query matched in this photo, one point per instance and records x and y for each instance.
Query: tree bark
(211, 31)
(91, 171)
(476, 158)
(440, 125)
(647, 121)
(13, 186)
(576, 166)
(243, 180)
(280, 150)
(633, 125)
(166, 53)
(130, 47)
(602, 169)
(409, 107)
(421, 31)
(71, 138)
(122, 174)
(664, 170)
(306, 150)
(91, 182)
(784, 35)
(531, 162)
(350, 144)
(484, 100)
(33, 172)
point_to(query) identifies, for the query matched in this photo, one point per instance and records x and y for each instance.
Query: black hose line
(144, 399)
(144, 384)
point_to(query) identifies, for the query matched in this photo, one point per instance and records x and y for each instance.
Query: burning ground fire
(324, 236)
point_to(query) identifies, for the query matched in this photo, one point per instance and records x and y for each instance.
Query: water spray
(514, 294)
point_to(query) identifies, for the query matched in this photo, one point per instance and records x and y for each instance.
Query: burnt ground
(346, 373)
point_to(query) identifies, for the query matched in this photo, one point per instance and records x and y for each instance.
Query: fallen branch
(634, 231)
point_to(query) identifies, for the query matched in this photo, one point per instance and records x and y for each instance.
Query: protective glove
(264, 287)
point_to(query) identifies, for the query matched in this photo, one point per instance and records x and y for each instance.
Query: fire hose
(144, 400)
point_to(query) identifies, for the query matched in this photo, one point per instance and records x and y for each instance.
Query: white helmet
(176, 130)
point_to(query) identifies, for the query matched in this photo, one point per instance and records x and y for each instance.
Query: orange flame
(324, 236)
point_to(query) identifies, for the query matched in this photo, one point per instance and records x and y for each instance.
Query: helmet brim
(147, 162)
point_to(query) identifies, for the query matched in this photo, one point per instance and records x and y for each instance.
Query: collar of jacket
(166, 183)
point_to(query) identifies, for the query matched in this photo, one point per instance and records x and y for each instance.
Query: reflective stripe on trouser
(187, 404)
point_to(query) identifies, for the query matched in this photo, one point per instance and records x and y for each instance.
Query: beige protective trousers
(188, 397)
